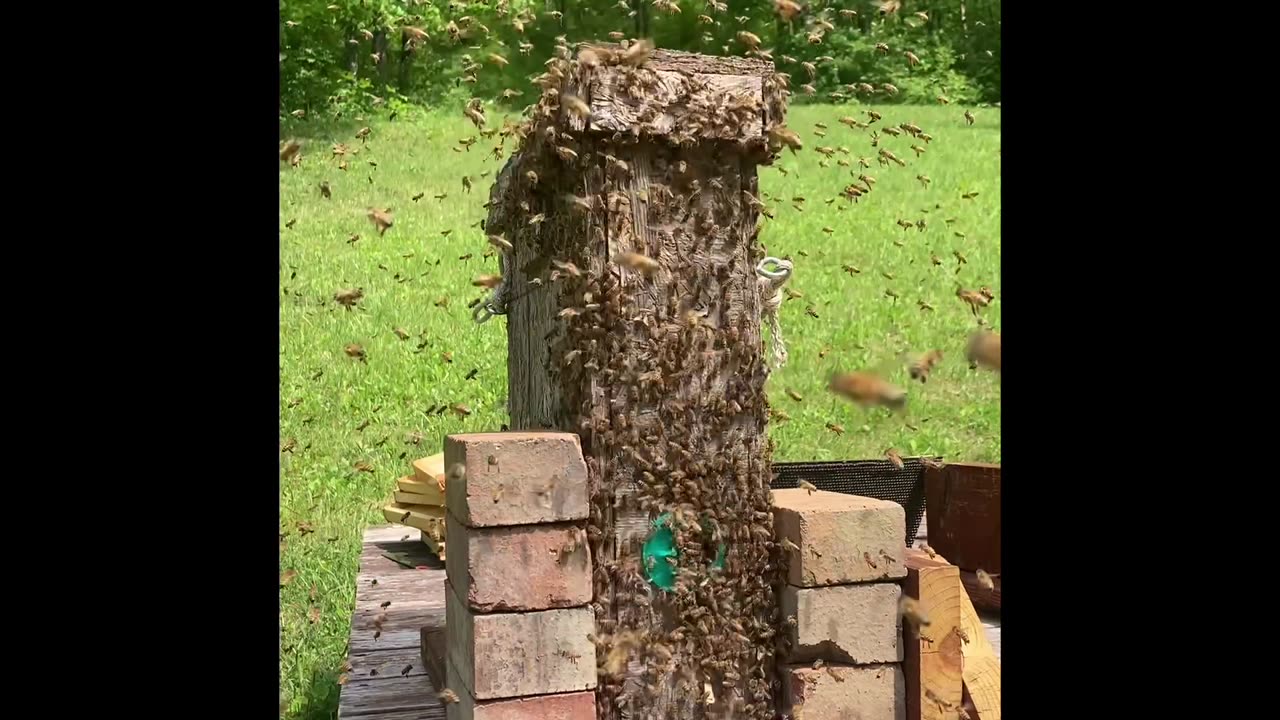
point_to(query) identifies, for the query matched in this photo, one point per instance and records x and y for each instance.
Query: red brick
(565, 706)
(534, 477)
(842, 538)
(506, 655)
(855, 624)
(519, 568)
(841, 692)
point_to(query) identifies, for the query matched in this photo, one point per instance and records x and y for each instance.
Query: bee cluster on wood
(640, 273)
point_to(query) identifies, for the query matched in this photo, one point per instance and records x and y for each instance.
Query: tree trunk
(406, 62)
(352, 51)
(382, 47)
(662, 374)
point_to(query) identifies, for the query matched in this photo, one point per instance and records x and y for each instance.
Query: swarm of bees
(569, 169)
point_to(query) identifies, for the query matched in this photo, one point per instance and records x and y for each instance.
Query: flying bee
(381, 219)
(920, 369)
(894, 457)
(984, 350)
(637, 53)
(985, 581)
(867, 389)
(781, 136)
(576, 105)
(642, 264)
(910, 610)
(974, 299)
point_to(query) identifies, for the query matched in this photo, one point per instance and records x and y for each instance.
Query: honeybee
(894, 457)
(781, 135)
(642, 264)
(381, 219)
(984, 350)
(576, 105)
(910, 610)
(289, 150)
(637, 53)
(985, 581)
(348, 297)
(868, 389)
(921, 368)
(974, 299)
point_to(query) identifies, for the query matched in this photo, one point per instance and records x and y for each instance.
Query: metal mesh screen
(877, 479)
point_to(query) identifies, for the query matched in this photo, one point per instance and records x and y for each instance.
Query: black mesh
(877, 479)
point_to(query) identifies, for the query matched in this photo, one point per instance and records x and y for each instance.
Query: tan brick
(505, 655)
(565, 706)
(842, 538)
(841, 692)
(520, 568)
(855, 624)
(534, 477)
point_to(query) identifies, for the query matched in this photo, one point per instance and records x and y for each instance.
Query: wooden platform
(378, 688)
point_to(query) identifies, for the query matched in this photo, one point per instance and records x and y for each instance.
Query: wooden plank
(963, 501)
(418, 487)
(429, 713)
(982, 598)
(427, 518)
(430, 498)
(933, 661)
(981, 665)
(382, 696)
(380, 664)
(417, 600)
(379, 534)
(433, 652)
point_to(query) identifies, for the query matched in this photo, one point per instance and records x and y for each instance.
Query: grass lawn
(342, 412)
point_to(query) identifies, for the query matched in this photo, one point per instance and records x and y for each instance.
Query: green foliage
(328, 66)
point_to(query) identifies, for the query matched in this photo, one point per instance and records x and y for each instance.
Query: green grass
(957, 413)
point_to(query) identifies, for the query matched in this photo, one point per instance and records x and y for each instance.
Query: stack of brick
(517, 624)
(845, 559)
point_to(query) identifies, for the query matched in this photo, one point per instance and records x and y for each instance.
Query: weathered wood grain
(417, 601)
(378, 698)
(385, 663)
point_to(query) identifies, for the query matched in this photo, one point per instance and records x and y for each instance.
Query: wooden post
(932, 657)
(657, 362)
